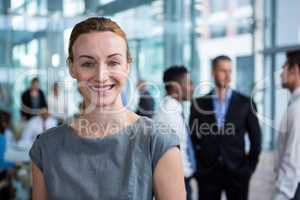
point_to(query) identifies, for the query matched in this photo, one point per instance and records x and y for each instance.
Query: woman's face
(100, 67)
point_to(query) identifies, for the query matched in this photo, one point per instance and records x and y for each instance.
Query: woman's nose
(102, 73)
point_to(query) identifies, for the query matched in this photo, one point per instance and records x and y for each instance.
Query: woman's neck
(106, 116)
(102, 121)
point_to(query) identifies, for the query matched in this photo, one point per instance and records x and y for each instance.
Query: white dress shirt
(170, 114)
(12, 152)
(35, 126)
(288, 156)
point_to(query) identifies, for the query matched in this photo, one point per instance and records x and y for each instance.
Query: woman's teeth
(101, 88)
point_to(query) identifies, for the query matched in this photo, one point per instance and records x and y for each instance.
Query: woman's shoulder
(160, 138)
(153, 127)
(154, 133)
(53, 135)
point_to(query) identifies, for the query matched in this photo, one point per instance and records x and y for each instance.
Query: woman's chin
(104, 103)
(101, 102)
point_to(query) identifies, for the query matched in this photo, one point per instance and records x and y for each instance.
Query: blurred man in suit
(219, 122)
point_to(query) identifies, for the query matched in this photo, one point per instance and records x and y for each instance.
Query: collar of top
(227, 95)
(295, 94)
(173, 104)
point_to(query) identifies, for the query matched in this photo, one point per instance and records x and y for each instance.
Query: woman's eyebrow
(115, 54)
(86, 56)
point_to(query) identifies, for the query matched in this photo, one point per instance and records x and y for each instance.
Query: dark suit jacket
(26, 102)
(146, 105)
(227, 145)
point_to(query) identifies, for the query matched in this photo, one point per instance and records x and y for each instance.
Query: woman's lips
(101, 88)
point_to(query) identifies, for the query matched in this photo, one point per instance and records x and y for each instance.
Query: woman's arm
(168, 177)
(39, 191)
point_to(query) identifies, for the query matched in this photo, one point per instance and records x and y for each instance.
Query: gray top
(118, 166)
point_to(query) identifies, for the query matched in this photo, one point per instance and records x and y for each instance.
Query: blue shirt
(3, 163)
(220, 108)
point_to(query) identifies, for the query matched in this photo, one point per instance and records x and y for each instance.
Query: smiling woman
(101, 67)
(109, 152)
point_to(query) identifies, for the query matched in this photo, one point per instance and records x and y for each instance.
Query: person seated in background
(57, 103)
(6, 189)
(32, 100)
(36, 126)
(6, 138)
(146, 101)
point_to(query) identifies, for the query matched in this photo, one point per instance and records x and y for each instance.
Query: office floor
(262, 182)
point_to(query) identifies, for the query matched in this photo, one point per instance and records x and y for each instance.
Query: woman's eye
(88, 64)
(114, 63)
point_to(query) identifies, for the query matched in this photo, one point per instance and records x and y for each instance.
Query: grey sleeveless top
(118, 166)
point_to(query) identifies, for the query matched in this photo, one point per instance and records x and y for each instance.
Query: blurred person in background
(146, 101)
(35, 126)
(6, 168)
(288, 156)
(32, 100)
(219, 123)
(57, 103)
(179, 87)
(6, 139)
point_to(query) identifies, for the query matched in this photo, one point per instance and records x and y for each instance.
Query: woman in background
(32, 100)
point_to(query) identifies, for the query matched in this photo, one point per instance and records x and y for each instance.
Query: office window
(19, 52)
(217, 5)
(218, 31)
(287, 23)
(241, 3)
(32, 7)
(72, 8)
(245, 74)
(244, 26)
(16, 4)
(102, 2)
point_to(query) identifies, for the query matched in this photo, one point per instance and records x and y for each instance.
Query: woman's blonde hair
(96, 24)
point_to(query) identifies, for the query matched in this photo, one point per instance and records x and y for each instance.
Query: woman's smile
(102, 89)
